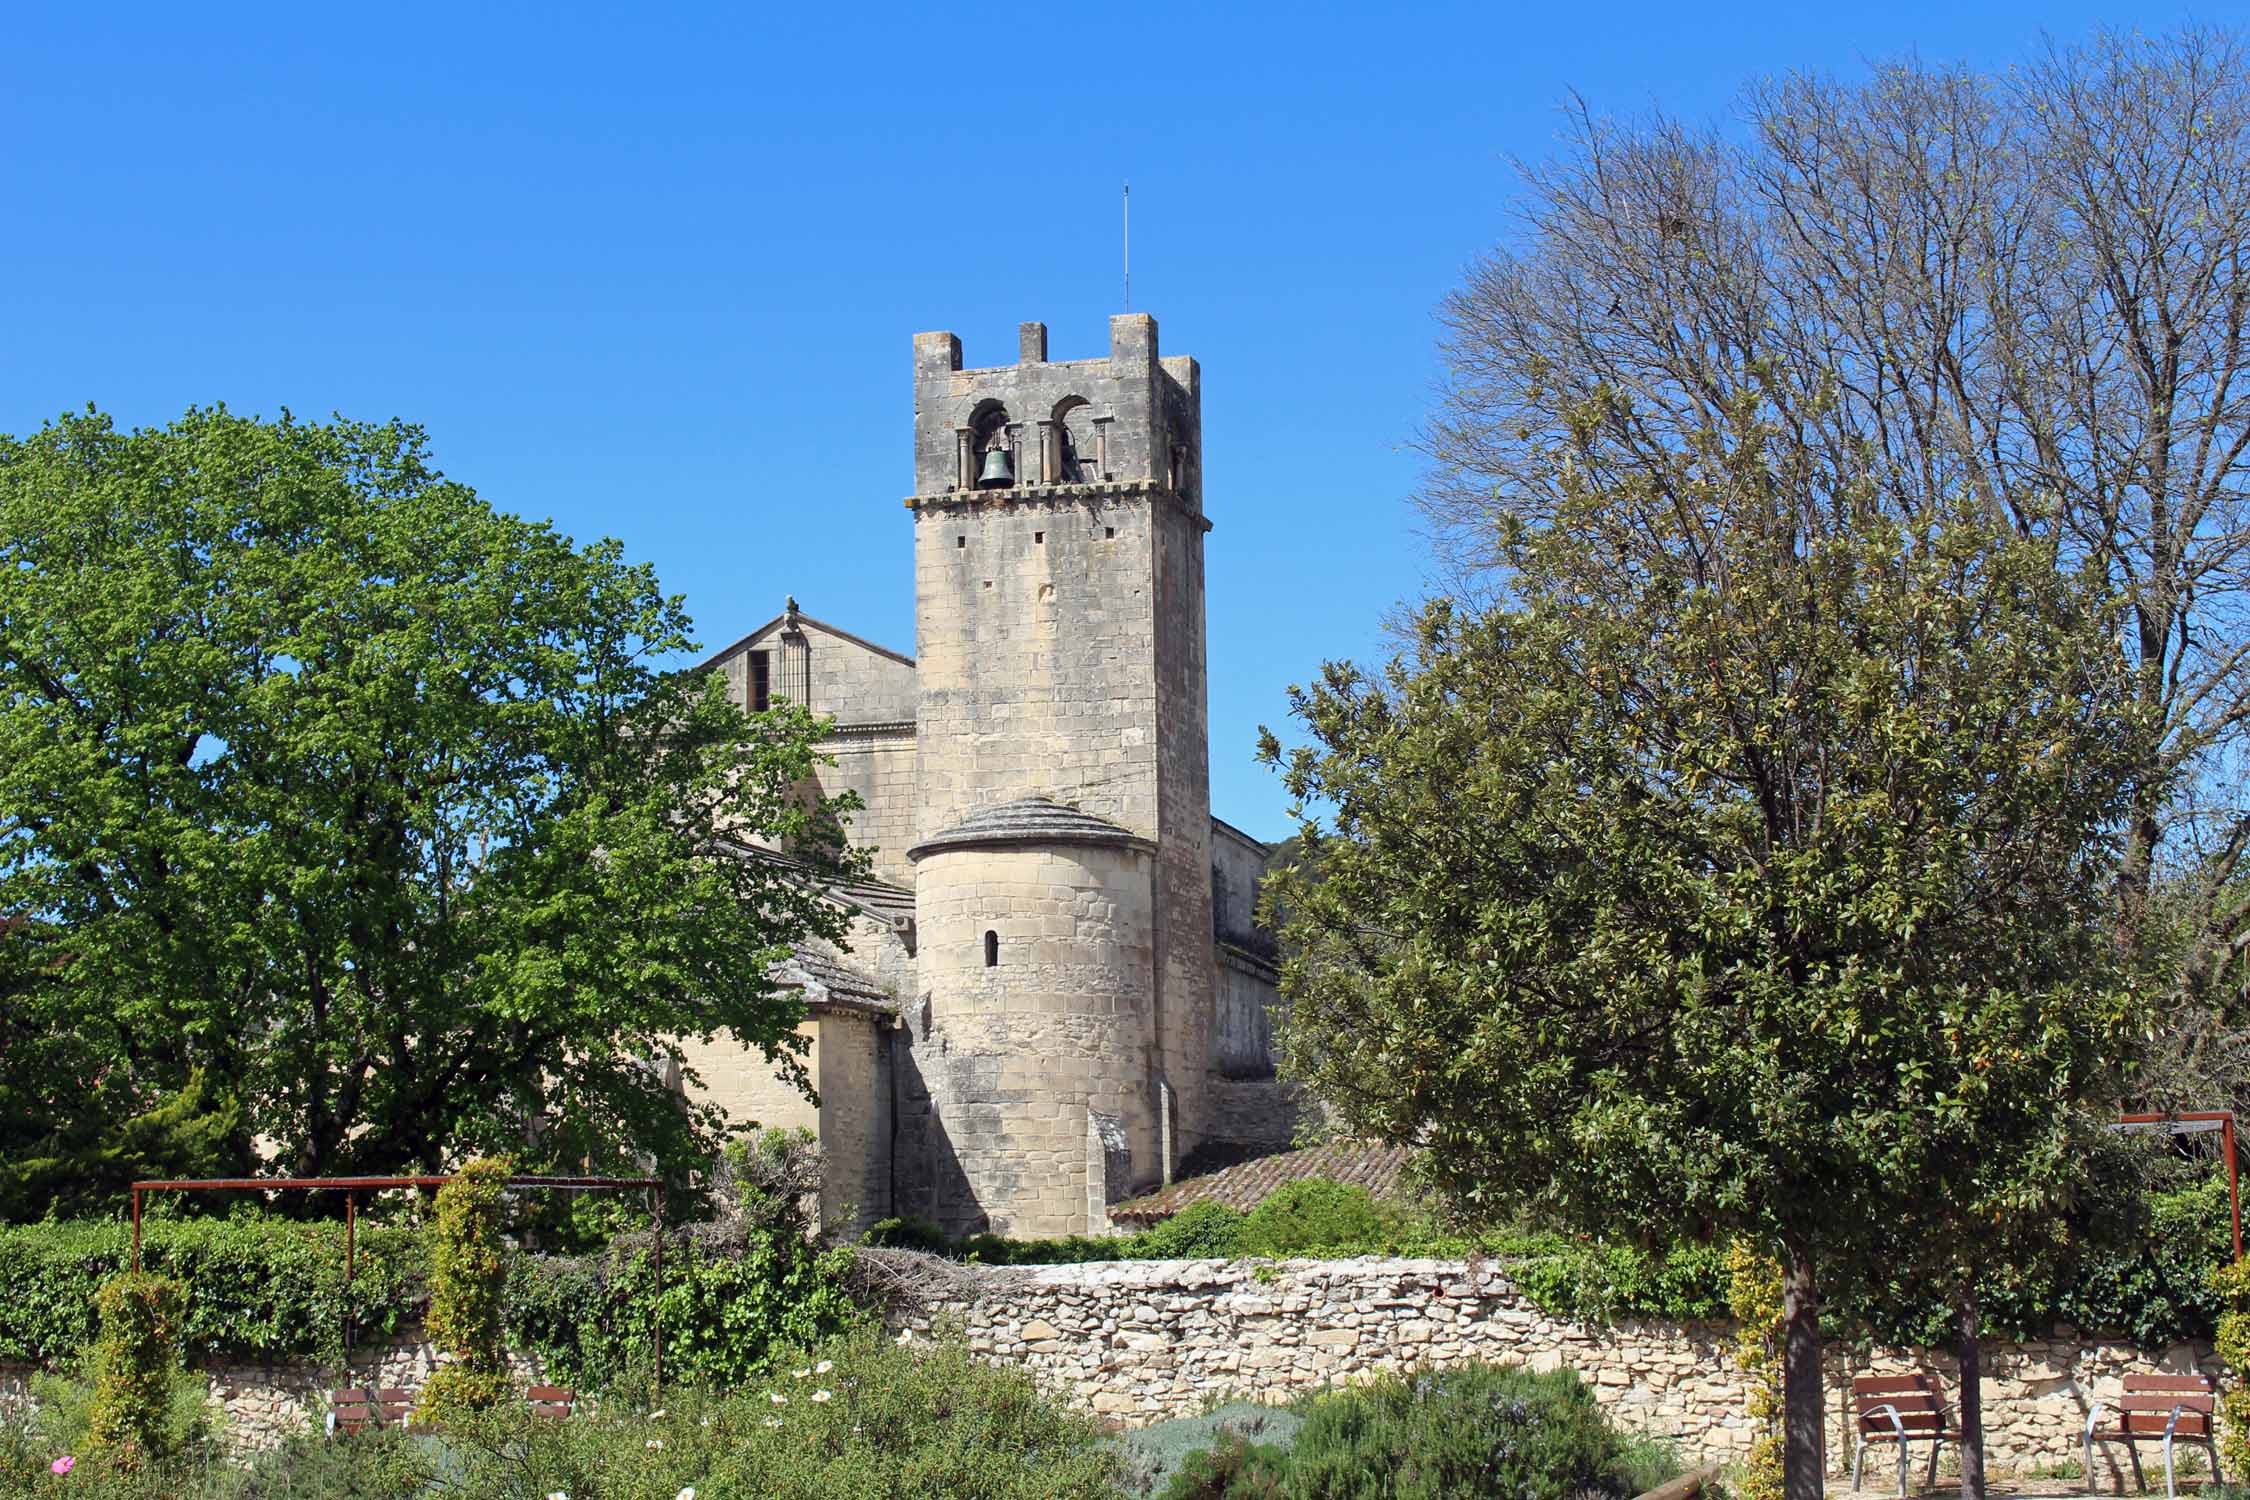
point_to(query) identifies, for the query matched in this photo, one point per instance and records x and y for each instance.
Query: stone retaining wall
(255, 1406)
(1141, 1341)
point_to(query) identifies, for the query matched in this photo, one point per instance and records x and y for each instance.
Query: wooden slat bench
(2156, 1409)
(552, 1401)
(1901, 1409)
(358, 1408)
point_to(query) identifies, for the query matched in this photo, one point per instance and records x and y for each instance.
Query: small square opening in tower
(1109, 533)
(960, 541)
(1038, 537)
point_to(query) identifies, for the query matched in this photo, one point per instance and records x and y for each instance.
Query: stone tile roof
(880, 899)
(837, 983)
(1246, 1184)
(1029, 820)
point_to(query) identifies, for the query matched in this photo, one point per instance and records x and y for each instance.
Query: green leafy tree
(1751, 877)
(374, 804)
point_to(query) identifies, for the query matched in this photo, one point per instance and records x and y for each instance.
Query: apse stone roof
(1029, 820)
(1244, 1185)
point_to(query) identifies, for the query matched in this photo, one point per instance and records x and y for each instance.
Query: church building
(1054, 994)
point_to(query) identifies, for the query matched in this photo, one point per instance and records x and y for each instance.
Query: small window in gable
(761, 682)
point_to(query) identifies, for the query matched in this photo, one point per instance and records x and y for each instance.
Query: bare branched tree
(2029, 289)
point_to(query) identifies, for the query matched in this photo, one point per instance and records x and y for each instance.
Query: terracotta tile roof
(1246, 1184)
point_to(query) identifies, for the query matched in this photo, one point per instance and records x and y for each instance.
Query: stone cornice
(872, 731)
(1056, 497)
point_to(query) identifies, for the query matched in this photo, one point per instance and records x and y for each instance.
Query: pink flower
(64, 1464)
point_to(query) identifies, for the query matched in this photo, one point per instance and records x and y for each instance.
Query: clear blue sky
(653, 270)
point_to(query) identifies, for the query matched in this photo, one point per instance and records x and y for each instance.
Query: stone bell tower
(1063, 858)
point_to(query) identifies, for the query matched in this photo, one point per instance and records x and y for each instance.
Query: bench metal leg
(1935, 1444)
(2133, 1452)
(2171, 1485)
(1902, 1458)
(2212, 1448)
(1859, 1461)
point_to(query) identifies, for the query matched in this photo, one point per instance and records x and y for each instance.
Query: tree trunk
(1966, 1328)
(1804, 1458)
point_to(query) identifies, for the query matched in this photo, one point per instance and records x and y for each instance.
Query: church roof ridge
(1030, 820)
(802, 618)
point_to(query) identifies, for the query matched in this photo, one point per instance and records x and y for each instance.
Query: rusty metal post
(2234, 1180)
(351, 1264)
(656, 1308)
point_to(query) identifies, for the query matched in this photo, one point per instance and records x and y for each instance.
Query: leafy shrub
(2231, 1283)
(858, 1417)
(1232, 1469)
(468, 1290)
(134, 1363)
(63, 1420)
(1316, 1214)
(1476, 1431)
(1155, 1453)
(1201, 1231)
(733, 1297)
(372, 1466)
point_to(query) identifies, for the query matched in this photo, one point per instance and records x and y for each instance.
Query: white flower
(655, 1443)
(820, 1396)
(658, 1415)
(773, 1421)
(686, 1494)
(824, 1367)
(905, 1337)
(705, 1422)
(557, 1495)
(777, 1398)
(800, 1374)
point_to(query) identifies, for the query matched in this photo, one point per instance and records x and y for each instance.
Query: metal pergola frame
(2198, 1122)
(352, 1187)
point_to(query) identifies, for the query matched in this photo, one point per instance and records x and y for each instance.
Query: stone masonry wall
(1142, 1341)
(256, 1406)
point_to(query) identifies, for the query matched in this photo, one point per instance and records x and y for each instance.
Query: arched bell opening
(992, 456)
(1069, 436)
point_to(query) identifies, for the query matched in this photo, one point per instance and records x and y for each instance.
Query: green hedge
(727, 1311)
(258, 1288)
(265, 1288)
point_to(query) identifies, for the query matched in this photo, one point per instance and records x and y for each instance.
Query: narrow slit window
(1039, 537)
(1109, 533)
(960, 541)
(761, 682)
(992, 950)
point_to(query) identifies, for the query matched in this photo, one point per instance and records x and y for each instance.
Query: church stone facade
(1054, 995)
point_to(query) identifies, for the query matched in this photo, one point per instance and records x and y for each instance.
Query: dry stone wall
(1142, 1341)
(256, 1406)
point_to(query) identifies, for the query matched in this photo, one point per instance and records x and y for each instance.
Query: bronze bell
(997, 469)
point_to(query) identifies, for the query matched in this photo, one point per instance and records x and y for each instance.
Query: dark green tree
(1744, 869)
(373, 807)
